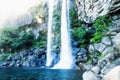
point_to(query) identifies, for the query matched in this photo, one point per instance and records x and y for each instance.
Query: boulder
(106, 41)
(75, 44)
(12, 63)
(23, 53)
(91, 48)
(114, 27)
(108, 67)
(5, 64)
(89, 75)
(9, 58)
(82, 55)
(108, 50)
(100, 47)
(94, 60)
(116, 41)
(25, 64)
(96, 69)
(17, 57)
(101, 63)
(87, 67)
(82, 51)
(113, 74)
(75, 51)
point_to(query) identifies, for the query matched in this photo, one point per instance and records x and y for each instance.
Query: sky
(14, 8)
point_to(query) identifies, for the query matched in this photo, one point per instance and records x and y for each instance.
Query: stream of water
(66, 59)
(49, 38)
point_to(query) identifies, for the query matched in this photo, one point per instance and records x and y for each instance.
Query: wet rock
(116, 41)
(5, 64)
(114, 29)
(91, 48)
(108, 50)
(82, 58)
(108, 67)
(82, 55)
(87, 67)
(94, 60)
(75, 51)
(43, 60)
(100, 47)
(11, 64)
(82, 51)
(109, 57)
(25, 64)
(17, 57)
(9, 58)
(106, 41)
(101, 63)
(37, 52)
(55, 47)
(56, 58)
(89, 75)
(23, 53)
(113, 33)
(18, 65)
(96, 69)
(76, 44)
(31, 58)
(113, 74)
(32, 49)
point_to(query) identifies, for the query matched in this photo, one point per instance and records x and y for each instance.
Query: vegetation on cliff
(101, 26)
(14, 39)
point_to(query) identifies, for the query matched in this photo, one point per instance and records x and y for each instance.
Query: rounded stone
(96, 69)
(89, 75)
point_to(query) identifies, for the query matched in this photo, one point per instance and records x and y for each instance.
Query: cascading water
(49, 39)
(66, 59)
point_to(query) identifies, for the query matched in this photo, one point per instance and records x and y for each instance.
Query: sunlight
(14, 8)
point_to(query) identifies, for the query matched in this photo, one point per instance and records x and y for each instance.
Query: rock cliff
(89, 10)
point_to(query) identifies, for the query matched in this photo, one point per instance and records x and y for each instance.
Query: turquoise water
(39, 74)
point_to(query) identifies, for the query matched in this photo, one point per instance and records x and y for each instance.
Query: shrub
(13, 39)
(79, 33)
(5, 55)
(101, 25)
(41, 41)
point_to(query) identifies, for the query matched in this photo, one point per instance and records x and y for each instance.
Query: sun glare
(14, 8)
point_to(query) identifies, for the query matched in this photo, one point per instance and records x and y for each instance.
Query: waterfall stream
(66, 53)
(49, 39)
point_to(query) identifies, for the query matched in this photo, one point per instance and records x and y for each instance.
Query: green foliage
(41, 41)
(101, 25)
(73, 18)
(94, 55)
(79, 33)
(74, 22)
(5, 55)
(13, 39)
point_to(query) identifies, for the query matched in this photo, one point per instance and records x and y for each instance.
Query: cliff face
(89, 10)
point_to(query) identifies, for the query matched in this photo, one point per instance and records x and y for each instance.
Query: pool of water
(39, 74)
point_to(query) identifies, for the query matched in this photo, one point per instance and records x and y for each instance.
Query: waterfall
(66, 59)
(49, 38)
